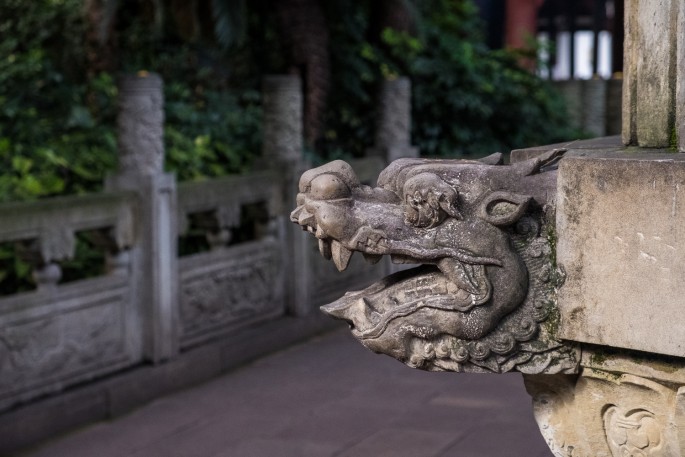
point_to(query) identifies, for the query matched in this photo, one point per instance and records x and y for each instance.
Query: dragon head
(448, 217)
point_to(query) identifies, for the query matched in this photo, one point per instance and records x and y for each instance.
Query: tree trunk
(101, 52)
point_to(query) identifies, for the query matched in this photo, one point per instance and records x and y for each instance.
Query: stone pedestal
(619, 237)
(620, 405)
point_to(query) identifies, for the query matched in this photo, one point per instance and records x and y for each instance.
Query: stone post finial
(282, 118)
(140, 124)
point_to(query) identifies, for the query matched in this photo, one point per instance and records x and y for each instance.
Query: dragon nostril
(295, 215)
(305, 218)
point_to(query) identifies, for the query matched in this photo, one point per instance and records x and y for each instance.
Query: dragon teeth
(341, 255)
(372, 258)
(325, 249)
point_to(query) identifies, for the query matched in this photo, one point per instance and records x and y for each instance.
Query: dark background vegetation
(59, 60)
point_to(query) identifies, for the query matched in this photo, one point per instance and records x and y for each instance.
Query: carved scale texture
(524, 340)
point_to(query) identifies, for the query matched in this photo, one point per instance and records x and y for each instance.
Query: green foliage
(472, 100)
(350, 116)
(210, 133)
(49, 141)
(57, 128)
(467, 99)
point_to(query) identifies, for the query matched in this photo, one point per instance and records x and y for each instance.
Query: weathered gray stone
(282, 118)
(483, 298)
(140, 124)
(153, 259)
(572, 91)
(680, 87)
(652, 72)
(619, 230)
(615, 408)
(594, 105)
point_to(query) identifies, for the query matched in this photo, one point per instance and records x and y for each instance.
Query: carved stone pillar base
(617, 407)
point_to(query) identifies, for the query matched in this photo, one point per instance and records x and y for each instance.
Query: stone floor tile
(401, 443)
(327, 397)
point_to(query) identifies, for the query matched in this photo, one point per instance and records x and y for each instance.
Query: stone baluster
(118, 263)
(47, 276)
(153, 259)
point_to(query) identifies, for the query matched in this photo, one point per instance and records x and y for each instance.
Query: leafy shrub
(467, 99)
(57, 127)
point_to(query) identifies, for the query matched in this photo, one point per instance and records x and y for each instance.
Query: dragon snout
(303, 217)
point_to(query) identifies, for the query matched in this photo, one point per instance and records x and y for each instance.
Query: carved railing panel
(81, 331)
(230, 285)
(62, 334)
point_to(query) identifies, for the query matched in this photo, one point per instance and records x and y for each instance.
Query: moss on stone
(552, 240)
(553, 320)
(609, 376)
(673, 139)
(598, 358)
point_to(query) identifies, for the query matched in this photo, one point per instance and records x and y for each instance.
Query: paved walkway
(327, 397)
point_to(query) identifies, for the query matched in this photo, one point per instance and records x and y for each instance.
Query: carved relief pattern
(39, 352)
(140, 123)
(634, 433)
(483, 298)
(219, 294)
(524, 340)
(607, 413)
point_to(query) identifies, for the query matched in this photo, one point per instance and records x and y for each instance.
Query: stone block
(620, 232)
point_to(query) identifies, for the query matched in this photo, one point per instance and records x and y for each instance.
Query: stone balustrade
(197, 277)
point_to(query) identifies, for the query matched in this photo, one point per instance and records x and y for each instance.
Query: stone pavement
(327, 397)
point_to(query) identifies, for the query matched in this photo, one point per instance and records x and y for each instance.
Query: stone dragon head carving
(455, 219)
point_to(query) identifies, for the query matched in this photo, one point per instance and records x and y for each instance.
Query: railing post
(613, 106)
(154, 257)
(393, 130)
(654, 75)
(282, 149)
(594, 100)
